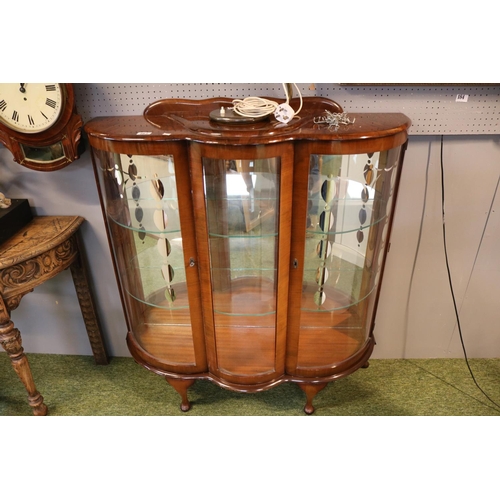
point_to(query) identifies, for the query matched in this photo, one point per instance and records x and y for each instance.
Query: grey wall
(416, 316)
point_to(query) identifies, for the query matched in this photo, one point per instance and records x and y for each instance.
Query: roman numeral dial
(30, 107)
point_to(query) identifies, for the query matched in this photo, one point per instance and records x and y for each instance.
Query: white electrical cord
(254, 107)
(257, 107)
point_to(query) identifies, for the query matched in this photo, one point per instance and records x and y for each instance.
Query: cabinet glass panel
(242, 201)
(143, 216)
(349, 202)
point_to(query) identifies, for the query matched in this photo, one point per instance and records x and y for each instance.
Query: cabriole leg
(311, 390)
(181, 386)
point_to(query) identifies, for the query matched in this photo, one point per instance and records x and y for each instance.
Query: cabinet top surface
(183, 119)
(38, 236)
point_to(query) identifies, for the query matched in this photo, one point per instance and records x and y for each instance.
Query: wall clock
(39, 124)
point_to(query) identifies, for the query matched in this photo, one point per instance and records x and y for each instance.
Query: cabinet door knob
(295, 263)
(192, 262)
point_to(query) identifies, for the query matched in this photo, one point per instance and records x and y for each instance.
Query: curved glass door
(350, 198)
(242, 203)
(143, 216)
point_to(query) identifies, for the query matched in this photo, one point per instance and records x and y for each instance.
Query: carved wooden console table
(40, 251)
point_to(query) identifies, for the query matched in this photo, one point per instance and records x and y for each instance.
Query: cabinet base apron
(310, 385)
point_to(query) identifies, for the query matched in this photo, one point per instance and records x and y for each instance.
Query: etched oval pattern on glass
(168, 273)
(321, 275)
(157, 189)
(362, 216)
(160, 219)
(319, 298)
(163, 247)
(328, 190)
(323, 249)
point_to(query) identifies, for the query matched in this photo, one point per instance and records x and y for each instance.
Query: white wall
(416, 316)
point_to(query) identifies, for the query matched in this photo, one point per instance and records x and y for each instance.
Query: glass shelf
(349, 203)
(345, 230)
(242, 203)
(243, 235)
(147, 230)
(333, 299)
(247, 295)
(243, 198)
(158, 300)
(142, 205)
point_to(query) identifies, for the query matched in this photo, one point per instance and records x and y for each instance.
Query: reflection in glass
(140, 194)
(43, 153)
(242, 200)
(349, 201)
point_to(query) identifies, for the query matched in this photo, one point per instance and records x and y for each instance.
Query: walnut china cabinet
(249, 254)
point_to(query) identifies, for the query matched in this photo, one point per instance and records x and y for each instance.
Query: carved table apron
(41, 250)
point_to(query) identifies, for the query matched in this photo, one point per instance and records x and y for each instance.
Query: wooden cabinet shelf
(248, 254)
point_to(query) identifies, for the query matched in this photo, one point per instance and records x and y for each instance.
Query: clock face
(30, 107)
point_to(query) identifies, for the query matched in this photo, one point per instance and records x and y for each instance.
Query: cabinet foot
(366, 365)
(181, 386)
(311, 390)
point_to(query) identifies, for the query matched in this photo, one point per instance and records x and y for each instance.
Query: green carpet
(74, 385)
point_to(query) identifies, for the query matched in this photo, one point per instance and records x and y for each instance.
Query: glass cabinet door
(242, 207)
(142, 207)
(349, 200)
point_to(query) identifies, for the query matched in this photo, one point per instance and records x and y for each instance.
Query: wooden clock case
(63, 138)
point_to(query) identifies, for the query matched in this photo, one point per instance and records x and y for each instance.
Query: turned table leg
(181, 386)
(10, 339)
(311, 390)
